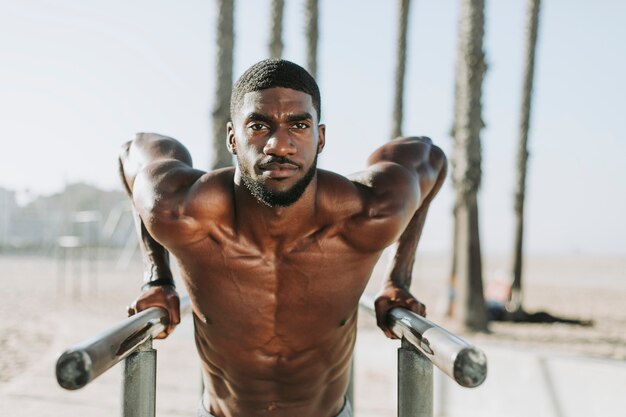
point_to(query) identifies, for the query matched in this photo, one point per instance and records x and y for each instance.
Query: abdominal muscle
(260, 374)
(275, 337)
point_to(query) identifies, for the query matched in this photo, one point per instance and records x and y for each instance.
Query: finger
(390, 334)
(422, 309)
(170, 328)
(140, 305)
(419, 308)
(174, 311)
(380, 312)
(383, 326)
(132, 309)
(161, 335)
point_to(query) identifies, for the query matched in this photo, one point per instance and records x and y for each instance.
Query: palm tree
(223, 82)
(312, 35)
(403, 12)
(515, 302)
(276, 41)
(466, 165)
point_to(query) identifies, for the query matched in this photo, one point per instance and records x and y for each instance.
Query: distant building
(8, 206)
(79, 210)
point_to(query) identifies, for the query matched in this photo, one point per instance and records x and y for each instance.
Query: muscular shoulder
(367, 211)
(402, 177)
(337, 196)
(195, 209)
(211, 195)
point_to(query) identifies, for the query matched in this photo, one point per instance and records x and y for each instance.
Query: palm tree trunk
(312, 35)
(398, 106)
(470, 69)
(223, 83)
(452, 282)
(515, 302)
(453, 264)
(276, 41)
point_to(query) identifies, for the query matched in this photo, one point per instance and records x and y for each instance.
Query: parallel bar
(85, 361)
(139, 390)
(455, 357)
(415, 383)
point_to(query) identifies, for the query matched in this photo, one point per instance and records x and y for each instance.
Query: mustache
(278, 160)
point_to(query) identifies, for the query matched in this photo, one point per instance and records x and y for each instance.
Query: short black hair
(271, 73)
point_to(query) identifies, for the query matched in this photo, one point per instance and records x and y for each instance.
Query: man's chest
(309, 261)
(308, 278)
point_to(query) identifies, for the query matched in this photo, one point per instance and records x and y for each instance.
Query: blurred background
(77, 79)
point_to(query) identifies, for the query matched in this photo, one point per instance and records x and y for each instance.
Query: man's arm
(159, 289)
(149, 155)
(425, 168)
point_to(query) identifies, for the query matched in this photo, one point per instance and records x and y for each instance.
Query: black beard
(277, 198)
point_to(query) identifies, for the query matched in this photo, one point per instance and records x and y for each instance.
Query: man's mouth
(278, 170)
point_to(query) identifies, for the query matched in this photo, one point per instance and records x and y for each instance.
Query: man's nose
(280, 144)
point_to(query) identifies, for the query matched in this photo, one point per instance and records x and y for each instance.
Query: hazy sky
(78, 78)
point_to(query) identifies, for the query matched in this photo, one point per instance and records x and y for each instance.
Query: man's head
(275, 132)
(271, 73)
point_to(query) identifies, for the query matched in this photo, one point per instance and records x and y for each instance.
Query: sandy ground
(41, 312)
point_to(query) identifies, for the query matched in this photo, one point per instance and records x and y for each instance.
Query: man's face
(276, 137)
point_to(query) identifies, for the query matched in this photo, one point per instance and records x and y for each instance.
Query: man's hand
(164, 296)
(391, 297)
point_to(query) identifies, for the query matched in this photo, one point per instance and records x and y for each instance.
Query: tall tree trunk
(223, 83)
(276, 40)
(453, 261)
(312, 35)
(455, 231)
(403, 19)
(470, 70)
(532, 22)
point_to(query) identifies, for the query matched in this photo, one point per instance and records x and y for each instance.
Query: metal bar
(85, 361)
(139, 390)
(455, 357)
(415, 382)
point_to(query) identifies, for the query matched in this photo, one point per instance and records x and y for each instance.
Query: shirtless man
(274, 252)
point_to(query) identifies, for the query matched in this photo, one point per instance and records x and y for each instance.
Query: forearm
(401, 268)
(158, 289)
(430, 166)
(157, 271)
(396, 289)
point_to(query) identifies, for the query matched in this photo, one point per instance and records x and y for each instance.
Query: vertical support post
(139, 390)
(61, 269)
(78, 259)
(350, 392)
(415, 383)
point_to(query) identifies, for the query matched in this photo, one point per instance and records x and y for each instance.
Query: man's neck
(271, 227)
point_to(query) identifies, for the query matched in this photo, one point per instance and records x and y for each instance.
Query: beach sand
(42, 315)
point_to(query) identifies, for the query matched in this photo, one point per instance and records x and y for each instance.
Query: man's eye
(300, 126)
(257, 127)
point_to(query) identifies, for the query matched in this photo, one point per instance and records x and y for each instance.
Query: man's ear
(231, 144)
(321, 137)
